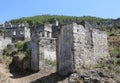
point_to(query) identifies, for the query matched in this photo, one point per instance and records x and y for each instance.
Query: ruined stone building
(16, 31)
(43, 45)
(78, 46)
(12, 32)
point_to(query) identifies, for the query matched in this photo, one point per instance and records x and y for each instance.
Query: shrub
(118, 61)
(6, 51)
(20, 45)
(28, 53)
(114, 52)
(117, 69)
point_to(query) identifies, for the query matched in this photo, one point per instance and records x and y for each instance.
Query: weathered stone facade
(79, 46)
(16, 31)
(4, 41)
(41, 45)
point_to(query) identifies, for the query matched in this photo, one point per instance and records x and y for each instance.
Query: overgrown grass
(114, 51)
(6, 51)
(49, 62)
(117, 78)
(28, 53)
(20, 45)
(117, 69)
(101, 65)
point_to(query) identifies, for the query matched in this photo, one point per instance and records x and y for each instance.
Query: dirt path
(10, 78)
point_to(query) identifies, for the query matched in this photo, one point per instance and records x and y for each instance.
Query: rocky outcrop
(93, 76)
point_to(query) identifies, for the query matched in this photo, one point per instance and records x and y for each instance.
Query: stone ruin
(15, 31)
(78, 46)
(43, 46)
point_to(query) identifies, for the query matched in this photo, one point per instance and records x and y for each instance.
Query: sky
(12, 9)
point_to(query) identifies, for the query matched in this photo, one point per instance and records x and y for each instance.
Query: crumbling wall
(79, 46)
(34, 56)
(43, 46)
(64, 50)
(4, 42)
(100, 44)
(48, 46)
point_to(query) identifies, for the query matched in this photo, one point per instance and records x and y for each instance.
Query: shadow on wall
(52, 78)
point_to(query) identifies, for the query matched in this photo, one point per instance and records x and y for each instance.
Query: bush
(115, 51)
(28, 53)
(117, 69)
(20, 45)
(117, 61)
(6, 51)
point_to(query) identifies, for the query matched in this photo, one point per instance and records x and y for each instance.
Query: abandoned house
(16, 31)
(78, 46)
(73, 46)
(43, 45)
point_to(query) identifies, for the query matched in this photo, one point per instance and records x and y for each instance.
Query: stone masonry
(79, 46)
(43, 46)
(16, 31)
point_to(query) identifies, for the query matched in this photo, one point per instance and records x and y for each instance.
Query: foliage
(20, 45)
(41, 19)
(7, 51)
(101, 65)
(117, 69)
(117, 61)
(1, 31)
(49, 62)
(114, 50)
(117, 78)
(28, 53)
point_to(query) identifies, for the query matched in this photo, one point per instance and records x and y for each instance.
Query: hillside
(41, 19)
(111, 26)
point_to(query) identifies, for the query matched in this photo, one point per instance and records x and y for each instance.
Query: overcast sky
(11, 9)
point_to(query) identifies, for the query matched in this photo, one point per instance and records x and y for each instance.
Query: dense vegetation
(111, 26)
(41, 19)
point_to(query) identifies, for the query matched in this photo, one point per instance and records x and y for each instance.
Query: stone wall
(48, 46)
(79, 46)
(43, 46)
(4, 42)
(64, 50)
(17, 33)
(100, 49)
